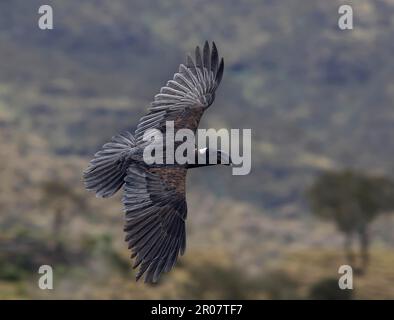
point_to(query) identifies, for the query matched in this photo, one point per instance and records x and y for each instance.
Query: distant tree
(63, 202)
(352, 201)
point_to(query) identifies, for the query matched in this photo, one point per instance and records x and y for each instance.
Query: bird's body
(154, 195)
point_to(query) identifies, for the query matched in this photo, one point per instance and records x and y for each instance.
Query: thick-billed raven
(154, 195)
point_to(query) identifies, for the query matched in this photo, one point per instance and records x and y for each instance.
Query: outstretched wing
(156, 211)
(107, 170)
(184, 99)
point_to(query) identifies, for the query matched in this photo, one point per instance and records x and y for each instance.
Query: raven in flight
(154, 195)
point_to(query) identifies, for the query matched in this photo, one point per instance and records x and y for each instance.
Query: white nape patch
(202, 151)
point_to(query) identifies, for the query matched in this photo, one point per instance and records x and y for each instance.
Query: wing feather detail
(155, 220)
(192, 87)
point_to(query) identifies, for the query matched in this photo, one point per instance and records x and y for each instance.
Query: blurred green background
(320, 104)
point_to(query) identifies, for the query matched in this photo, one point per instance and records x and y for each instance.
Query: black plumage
(154, 196)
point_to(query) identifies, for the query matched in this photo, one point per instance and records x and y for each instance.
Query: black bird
(154, 195)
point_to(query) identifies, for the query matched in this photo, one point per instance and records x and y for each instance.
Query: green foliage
(351, 200)
(278, 285)
(217, 281)
(214, 276)
(328, 289)
(102, 247)
(57, 193)
(11, 271)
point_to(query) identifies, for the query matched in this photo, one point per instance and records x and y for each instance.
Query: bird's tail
(107, 170)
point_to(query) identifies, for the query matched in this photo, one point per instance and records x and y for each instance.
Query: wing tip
(219, 73)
